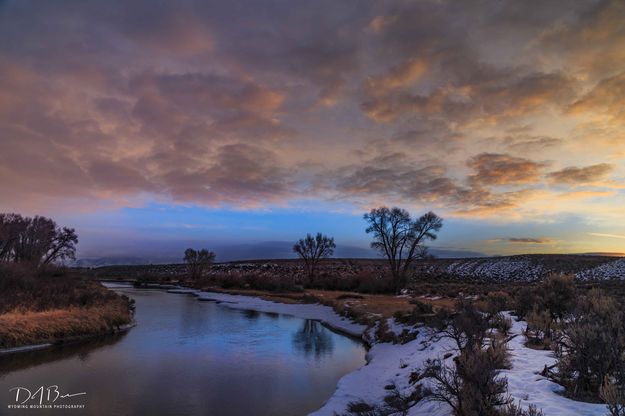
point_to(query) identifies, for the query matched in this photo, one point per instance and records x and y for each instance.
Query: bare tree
(36, 240)
(197, 261)
(400, 238)
(11, 226)
(62, 246)
(312, 249)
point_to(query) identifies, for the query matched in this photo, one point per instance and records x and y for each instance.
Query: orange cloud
(503, 169)
(581, 176)
(402, 75)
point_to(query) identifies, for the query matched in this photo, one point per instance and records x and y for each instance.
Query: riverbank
(42, 308)
(389, 365)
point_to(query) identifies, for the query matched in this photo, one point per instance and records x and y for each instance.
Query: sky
(150, 126)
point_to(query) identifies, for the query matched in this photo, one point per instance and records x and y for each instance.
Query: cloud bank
(475, 109)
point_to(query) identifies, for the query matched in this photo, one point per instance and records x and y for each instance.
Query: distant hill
(517, 268)
(249, 251)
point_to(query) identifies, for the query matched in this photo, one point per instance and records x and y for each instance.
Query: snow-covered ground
(612, 270)
(388, 364)
(525, 383)
(497, 269)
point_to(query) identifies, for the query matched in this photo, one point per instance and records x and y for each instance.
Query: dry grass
(361, 307)
(27, 328)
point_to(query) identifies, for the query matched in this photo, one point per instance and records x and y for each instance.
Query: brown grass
(56, 325)
(359, 306)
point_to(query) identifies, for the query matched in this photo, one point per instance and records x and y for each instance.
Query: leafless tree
(312, 249)
(36, 240)
(62, 246)
(400, 238)
(11, 226)
(198, 261)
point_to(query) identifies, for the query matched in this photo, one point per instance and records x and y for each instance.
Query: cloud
(396, 179)
(581, 175)
(530, 240)
(240, 174)
(605, 98)
(591, 41)
(523, 240)
(399, 76)
(607, 235)
(503, 169)
(530, 143)
(476, 100)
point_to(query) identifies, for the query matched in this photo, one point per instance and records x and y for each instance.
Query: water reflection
(251, 314)
(313, 338)
(80, 350)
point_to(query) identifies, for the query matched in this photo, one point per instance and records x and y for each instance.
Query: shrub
(502, 323)
(26, 288)
(540, 326)
(613, 396)
(421, 308)
(362, 409)
(524, 301)
(470, 387)
(499, 354)
(397, 402)
(558, 294)
(592, 344)
(383, 332)
(513, 410)
(420, 311)
(497, 302)
(468, 326)
(370, 283)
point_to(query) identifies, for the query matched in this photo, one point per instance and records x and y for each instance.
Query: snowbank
(322, 313)
(388, 364)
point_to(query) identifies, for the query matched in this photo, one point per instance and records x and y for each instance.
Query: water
(187, 357)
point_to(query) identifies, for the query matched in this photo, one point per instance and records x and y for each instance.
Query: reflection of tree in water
(251, 314)
(313, 338)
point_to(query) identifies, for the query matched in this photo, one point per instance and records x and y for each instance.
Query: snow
(500, 269)
(24, 348)
(526, 384)
(322, 313)
(612, 270)
(388, 364)
(183, 291)
(385, 361)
